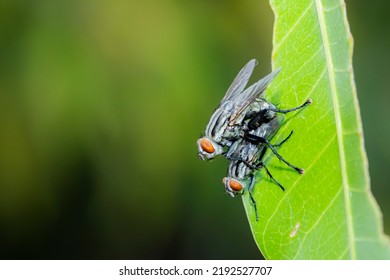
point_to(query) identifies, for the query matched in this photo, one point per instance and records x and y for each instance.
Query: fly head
(208, 149)
(234, 186)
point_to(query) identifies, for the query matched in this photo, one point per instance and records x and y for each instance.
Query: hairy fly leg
(261, 140)
(261, 154)
(284, 141)
(264, 116)
(252, 179)
(277, 110)
(252, 183)
(261, 165)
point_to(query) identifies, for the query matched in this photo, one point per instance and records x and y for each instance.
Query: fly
(239, 112)
(247, 157)
(225, 124)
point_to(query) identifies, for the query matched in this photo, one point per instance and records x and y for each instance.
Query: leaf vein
(336, 105)
(281, 41)
(317, 221)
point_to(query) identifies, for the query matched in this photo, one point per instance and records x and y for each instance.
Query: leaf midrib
(337, 113)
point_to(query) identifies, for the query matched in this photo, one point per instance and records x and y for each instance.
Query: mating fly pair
(240, 129)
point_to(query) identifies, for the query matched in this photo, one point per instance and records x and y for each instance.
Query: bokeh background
(101, 103)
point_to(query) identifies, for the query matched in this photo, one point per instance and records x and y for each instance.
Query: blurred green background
(101, 104)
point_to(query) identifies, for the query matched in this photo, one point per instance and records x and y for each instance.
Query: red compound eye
(235, 185)
(207, 146)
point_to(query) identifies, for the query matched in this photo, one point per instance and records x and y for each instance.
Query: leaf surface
(329, 211)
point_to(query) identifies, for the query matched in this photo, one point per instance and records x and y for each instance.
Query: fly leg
(252, 166)
(260, 165)
(299, 170)
(261, 140)
(252, 179)
(254, 139)
(309, 101)
(285, 140)
(251, 197)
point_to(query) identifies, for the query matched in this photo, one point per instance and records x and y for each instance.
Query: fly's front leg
(252, 184)
(276, 110)
(252, 179)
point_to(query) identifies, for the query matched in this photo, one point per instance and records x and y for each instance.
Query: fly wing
(267, 131)
(240, 81)
(249, 152)
(271, 128)
(245, 99)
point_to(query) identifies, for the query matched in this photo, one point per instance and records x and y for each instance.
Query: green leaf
(328, 212)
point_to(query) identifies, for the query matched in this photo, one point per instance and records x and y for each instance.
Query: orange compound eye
(235, 186)
(207, 146)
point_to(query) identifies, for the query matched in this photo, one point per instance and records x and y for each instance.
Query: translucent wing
(245, 99)
(241, 149)
(221, 115)
(240, 81)
(266, 131)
